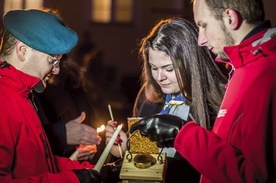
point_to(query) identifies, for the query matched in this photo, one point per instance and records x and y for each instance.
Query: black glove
(88, 176)
(160, 128)
(110, 172)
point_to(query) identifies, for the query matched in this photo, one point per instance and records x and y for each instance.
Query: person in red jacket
(32, 43)
(241, 147)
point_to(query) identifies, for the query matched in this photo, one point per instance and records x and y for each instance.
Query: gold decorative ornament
(142, 161)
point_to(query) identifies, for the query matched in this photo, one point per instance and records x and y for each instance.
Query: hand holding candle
(75, 154)
(107, 149)
(118, 140)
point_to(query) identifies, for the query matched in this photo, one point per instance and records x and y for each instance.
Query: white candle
(74, 155)
(107, 149)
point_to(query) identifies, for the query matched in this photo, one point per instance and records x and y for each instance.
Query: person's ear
(21, 50)
(233, 19)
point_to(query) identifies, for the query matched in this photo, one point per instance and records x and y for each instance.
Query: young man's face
(41, 65)
(212, 32)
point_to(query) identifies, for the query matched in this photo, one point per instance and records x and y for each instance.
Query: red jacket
(241, 148)
(25, 155)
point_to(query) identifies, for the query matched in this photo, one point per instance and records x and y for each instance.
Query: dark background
(115, 68)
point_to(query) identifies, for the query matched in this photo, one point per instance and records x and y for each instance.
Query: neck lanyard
(171, 101)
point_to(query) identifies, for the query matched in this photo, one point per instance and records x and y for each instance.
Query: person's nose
(202, 40)
(160, 75)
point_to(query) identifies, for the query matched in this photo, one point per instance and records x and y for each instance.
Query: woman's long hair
(200, 79)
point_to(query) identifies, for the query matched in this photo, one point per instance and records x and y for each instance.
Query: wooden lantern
(143, 162)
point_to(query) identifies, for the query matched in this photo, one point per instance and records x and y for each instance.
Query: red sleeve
(67, 164)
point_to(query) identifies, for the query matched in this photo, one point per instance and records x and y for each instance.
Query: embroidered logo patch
(221, 113)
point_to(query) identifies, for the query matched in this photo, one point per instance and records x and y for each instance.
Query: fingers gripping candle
(107, 149)
(75, 154)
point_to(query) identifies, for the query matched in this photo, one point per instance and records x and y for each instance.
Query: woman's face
(163, 71)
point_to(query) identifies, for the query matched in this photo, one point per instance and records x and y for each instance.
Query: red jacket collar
(17, 79)
(246, 52)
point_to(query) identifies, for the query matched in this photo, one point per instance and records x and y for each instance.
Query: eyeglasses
(54, 60)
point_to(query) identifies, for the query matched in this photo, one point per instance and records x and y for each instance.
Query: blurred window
(112, 11)
(22, 4)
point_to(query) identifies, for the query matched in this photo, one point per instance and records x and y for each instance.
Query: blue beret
(40, 30)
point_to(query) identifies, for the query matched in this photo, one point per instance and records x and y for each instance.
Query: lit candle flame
(101, 128)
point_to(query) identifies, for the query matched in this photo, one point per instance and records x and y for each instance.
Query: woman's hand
(121, 140)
